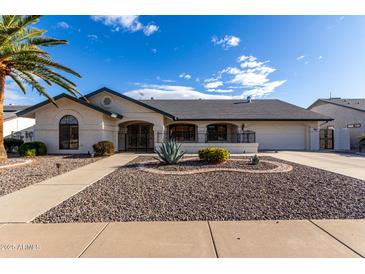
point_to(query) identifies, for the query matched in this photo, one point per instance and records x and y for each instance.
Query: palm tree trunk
(3, 155)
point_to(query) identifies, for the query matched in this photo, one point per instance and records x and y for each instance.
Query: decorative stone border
(280, 167)
(17, 164)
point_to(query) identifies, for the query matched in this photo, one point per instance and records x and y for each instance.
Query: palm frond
(18, 82)
(23, 59)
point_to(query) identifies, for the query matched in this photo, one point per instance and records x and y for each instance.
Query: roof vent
(152, 98)
(249, 99)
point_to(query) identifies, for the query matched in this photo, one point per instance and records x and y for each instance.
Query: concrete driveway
(352, 165)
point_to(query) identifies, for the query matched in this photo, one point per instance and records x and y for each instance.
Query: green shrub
(11, 143)
(255, 160)
(170, 153)
(214, 155)
(104, 148)
(30, 152)
(39, 147)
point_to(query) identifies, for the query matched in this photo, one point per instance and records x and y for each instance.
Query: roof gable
(77, 100)
(105, 89)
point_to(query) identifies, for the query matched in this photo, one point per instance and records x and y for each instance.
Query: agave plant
(170, 153)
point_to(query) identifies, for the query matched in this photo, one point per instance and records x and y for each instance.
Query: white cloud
(320, 57)
(154, 51)
(264, 89)
(251, 75)
(129, 23)
(300, 57)
(92, 36)
(220, 90)
(213, 85)
(150, 29)
(227, 42)
(185, 76)
(63, 25)
(172, 92)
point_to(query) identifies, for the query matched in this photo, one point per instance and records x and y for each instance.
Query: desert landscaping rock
(194, 166)
(14, 162)
(129, 194)
(39, 169)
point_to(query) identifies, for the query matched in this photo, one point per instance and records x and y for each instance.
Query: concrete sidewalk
(291, 238)
(26, 204)
(343, 163)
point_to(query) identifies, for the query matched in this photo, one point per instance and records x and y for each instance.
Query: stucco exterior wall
(342, 117)
(91, 126)
(129, 110)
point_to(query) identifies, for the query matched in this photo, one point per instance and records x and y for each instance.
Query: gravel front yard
(40, 169)
(129, 194)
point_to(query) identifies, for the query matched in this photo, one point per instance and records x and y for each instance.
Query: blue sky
(294, 58)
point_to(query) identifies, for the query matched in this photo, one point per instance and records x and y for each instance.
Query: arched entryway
(136, 136)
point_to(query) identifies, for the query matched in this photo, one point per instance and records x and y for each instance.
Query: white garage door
(280, 137)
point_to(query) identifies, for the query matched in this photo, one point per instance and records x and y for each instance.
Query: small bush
(255, 160)
(170, 153)
(104, 148)
(39, 147)
(11, 143)
(30, 152)
(214, 155)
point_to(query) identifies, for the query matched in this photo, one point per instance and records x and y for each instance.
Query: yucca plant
(170, 153)
(24, 61)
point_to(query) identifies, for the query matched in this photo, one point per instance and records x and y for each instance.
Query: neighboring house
(141, 125)
(17, 127)
(348, 114)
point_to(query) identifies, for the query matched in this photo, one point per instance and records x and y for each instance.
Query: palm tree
(23, 60)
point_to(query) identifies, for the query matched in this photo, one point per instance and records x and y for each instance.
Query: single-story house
(17, 127)
(348, 116)
(241, 126)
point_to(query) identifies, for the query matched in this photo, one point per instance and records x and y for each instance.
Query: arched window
(69, 132)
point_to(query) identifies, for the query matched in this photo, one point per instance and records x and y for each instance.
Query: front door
(326, 138)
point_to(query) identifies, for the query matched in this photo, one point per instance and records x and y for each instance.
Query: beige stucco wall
(130, 110)
(342, 117)
(93, 126)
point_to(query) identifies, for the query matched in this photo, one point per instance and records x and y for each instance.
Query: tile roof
(263, 109)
